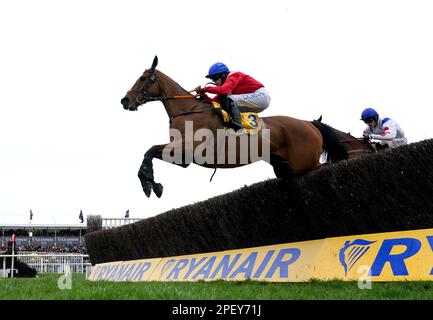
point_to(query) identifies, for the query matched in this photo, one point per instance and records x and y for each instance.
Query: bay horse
(295, 146)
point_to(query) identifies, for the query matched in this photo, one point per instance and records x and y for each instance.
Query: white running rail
(47, 263)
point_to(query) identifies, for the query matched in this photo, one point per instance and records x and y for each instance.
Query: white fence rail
(48, 263)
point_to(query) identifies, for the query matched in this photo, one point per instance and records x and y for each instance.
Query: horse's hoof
(157, 188)
(147, 188)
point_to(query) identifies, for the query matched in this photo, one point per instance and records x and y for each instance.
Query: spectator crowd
(73, 249)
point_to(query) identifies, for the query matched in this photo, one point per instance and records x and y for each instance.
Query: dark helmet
(217, 68)
(369, 113)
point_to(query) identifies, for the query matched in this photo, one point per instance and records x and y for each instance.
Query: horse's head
(143, 89)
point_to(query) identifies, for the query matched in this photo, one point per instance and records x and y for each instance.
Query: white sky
(67, 144)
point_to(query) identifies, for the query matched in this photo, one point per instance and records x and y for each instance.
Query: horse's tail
(331, 145)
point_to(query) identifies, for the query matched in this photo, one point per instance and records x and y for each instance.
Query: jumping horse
(295, 146)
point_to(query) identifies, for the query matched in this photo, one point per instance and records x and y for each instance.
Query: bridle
(142, 97)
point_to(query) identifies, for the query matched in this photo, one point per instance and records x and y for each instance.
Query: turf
(45, 287)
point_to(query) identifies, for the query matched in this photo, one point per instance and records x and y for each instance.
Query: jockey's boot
(235, 114)
(230, 106)
(219, 113)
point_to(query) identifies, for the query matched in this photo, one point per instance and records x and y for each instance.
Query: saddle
(250, 120)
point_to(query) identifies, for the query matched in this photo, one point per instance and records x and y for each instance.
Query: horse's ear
(154, 63)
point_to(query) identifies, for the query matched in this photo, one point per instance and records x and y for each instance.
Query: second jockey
(236, 92)
(383, 129)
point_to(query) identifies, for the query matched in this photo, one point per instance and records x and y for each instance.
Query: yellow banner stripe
(393, 256)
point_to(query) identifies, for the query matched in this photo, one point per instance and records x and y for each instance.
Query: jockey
(385, 130)
(236, 92)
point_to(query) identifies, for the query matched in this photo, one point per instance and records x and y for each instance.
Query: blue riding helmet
(217, 68)
(369, 113)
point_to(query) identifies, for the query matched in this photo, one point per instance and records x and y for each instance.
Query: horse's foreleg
(281, 167)
(145, 173)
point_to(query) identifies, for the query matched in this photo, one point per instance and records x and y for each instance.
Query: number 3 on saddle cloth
(250, 120)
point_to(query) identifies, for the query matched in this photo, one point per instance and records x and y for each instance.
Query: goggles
(369, 120)
(215, 77)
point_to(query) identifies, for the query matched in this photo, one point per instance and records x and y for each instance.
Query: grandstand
(58, 238)
(46, 238)
(50, 247)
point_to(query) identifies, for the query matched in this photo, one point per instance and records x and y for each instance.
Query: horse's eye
(142, 78)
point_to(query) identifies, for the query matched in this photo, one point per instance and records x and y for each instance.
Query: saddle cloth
(250, 120)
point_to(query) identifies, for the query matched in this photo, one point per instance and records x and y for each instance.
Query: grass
(45, 288)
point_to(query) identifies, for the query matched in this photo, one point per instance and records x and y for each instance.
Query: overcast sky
(66, 143)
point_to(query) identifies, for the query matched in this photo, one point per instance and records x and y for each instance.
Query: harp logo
(352, 252)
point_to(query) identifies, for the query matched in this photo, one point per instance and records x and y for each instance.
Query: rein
(142, 97)
(151, 99)
(351, 141)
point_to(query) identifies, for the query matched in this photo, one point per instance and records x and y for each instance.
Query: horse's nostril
(124, 102)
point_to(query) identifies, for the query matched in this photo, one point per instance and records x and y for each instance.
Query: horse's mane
(169, 80)
(351, 144)
(331, 142)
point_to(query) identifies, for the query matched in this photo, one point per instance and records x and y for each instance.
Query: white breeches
(257, 101)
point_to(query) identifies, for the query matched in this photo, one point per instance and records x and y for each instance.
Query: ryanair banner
(393, 256)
